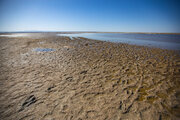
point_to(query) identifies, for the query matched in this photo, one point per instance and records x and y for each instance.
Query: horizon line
(50, 31)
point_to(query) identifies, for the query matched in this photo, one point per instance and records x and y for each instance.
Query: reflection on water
(165, 41)
(43, 49)
(14, 35)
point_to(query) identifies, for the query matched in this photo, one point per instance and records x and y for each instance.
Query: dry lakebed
(56, 78)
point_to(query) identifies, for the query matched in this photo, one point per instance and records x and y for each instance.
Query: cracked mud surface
(86, 79)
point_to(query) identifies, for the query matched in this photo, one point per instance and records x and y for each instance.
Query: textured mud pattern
(87, 80)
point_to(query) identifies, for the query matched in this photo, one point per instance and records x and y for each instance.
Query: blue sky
(90, 15)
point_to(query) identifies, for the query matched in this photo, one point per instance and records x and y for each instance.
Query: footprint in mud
(49, 89)
(86, 44)
(66, 47)
(91, 114)
(30, 100)
(83, 72)
(69, 79)
(65, 107)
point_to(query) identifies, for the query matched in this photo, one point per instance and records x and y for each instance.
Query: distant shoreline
(86, 32)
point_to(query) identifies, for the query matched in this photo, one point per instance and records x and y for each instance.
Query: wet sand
(84, 79)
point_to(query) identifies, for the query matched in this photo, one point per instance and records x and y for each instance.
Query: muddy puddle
(43, 49)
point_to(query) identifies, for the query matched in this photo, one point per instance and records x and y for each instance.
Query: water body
(14, 35)
(43, 49)
(164, 41)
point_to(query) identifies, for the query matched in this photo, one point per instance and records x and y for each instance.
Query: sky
(90, 15)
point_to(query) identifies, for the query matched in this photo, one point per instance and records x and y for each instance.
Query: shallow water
(43, 49)
(14, 35)
(165, 41)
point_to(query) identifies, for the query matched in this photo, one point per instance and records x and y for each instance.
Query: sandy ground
(87, 80)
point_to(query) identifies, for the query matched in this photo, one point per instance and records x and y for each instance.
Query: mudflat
(56, 78)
